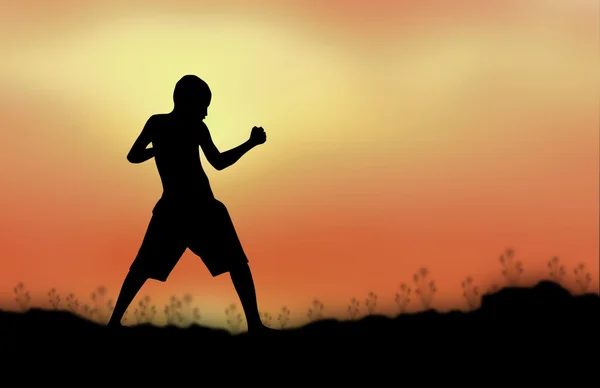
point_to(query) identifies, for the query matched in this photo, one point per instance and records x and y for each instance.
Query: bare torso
(177, 157)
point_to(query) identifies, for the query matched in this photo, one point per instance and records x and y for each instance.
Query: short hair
(191, 91)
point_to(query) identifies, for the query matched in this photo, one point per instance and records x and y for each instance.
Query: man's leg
(132, 284)
(210, 245)
(158, 254)
(241, 276)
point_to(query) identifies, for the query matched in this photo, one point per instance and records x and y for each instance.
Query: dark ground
(512, 318)
(520, 310)
(514, 331)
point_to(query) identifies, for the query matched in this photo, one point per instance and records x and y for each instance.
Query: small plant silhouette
(145, 311)
(353, 308)
(513, 269)
(22, 296)
(173, 311)
(101, 308)
(557, 271)
(72, 303)
(402, 297)
(189, 314)
(582, 278)
(426, 288)
(470, 292)
(284, 317)
(234, 319)
(87, 311)
(54, 299)
(371, 302)
(126, 319)
(493, 289)
(315, 312)
(267, 319)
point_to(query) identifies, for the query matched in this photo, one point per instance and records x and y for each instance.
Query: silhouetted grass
(546, 306)
(180, 311)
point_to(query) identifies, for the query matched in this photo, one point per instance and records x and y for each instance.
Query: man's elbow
(217, 162)
(131, 158)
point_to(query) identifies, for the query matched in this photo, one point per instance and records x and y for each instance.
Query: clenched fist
(258, 135)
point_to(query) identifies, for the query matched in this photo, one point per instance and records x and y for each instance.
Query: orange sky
(401, 134)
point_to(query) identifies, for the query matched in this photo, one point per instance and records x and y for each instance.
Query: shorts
(207, 231)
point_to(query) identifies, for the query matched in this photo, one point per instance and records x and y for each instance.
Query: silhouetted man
(188, 215)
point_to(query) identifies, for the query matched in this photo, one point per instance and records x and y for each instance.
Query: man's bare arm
(222, 160)
(139, 153)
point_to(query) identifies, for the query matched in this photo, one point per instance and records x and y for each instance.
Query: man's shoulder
(159, 117)
(159, 120)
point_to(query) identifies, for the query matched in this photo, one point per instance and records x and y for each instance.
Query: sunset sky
(401, 134)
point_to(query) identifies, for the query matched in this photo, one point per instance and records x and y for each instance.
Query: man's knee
(239, 267)
(136, 276)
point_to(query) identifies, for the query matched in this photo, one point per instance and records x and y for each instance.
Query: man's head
(192, 96)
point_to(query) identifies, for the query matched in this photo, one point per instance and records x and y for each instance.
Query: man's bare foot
(115, 326)
(262, 329)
